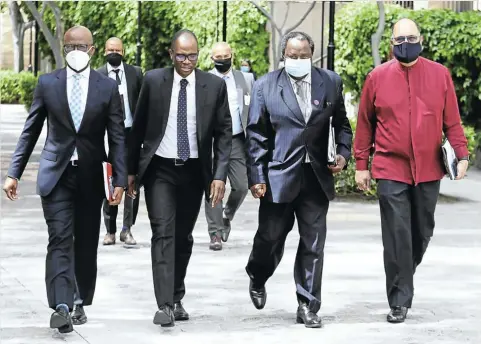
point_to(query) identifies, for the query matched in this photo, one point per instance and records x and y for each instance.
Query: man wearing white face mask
(70, 180)
(287, 166)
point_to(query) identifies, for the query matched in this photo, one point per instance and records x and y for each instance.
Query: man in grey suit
(239, 86)
(287, 166)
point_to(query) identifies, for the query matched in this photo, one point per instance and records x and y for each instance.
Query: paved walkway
(448, 284)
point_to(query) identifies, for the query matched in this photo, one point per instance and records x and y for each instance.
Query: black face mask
(114, 59)
(223, 65)
(407, 52)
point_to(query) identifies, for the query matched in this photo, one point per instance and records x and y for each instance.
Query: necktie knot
(116, 71)
(77, 76)
(225, 77)
(183, 83)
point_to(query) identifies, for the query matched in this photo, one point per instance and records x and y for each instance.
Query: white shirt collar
(230, 74)
(190, 78)
(307, 78)
(111, 68)
(85, 73)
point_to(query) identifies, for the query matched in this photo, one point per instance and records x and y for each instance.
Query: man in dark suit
(182, 116)
(79, 105)
(287, 166)
(129, 78)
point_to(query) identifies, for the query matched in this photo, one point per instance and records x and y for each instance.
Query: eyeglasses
(401, 39)
(67, 48)
(182, 57)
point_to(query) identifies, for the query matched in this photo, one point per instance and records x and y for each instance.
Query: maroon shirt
(404, 111)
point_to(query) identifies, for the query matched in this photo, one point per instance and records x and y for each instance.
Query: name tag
(247, 100)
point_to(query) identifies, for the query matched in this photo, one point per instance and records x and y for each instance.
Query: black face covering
(407, 52)
(223, 65)
(114, 59)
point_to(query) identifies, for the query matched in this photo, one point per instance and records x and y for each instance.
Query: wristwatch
(464, 158)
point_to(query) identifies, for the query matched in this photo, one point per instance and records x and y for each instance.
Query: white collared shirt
(233, 101)
(168, 146)
(84, 85)
(122, 90)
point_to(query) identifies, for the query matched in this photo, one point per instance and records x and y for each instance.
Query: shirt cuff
(461, 152)
(362, 165)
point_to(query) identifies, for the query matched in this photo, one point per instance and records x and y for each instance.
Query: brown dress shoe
(109, 239)
(127, 238)
(215, 242)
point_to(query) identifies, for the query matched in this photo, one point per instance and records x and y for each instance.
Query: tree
(279, 28)
(19, 26)
(377, 36)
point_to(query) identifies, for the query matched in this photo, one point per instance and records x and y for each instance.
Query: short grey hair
(296, 35)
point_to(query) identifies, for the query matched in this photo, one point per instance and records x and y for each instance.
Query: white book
(450, 160)
(331, 148)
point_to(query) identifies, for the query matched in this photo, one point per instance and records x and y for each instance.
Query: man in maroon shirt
(406, 105)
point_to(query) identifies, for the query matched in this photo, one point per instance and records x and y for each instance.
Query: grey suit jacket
(244, 83)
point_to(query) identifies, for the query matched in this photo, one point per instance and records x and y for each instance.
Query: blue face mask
(245, 69)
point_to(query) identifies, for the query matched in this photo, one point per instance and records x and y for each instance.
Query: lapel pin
(316, 102)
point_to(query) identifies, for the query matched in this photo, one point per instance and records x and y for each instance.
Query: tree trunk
(377, 36)
(18, 30)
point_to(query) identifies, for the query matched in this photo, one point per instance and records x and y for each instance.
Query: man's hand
(217, 189)
(340, 163)
(117, 196)
(10, 188)
(462, 168)
(131, 192)
(258, 190)
(363, 180)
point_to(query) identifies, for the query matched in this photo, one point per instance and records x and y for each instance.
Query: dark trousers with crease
(276, 221)
(173, 195)
(72, 215)
(407, 221)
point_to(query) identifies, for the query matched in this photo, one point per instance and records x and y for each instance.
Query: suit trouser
(131, 206)
(407, 221)
(237, 175)
(173, 195)
(276, 221)
(73, 219)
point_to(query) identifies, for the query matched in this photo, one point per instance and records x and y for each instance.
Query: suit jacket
(278, 135)
(244, 83)
(214, 123)
(103, 111)
(134, 77)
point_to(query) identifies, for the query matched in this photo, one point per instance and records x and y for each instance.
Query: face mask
(77, 60)
(223, 65)
(297, 67)
(114, 59)
(245, 69)
(407, 52)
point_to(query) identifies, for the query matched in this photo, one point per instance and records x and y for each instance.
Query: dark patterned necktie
(183, 148)
(117, 78)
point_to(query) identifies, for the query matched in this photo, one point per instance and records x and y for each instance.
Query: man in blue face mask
(287, 166)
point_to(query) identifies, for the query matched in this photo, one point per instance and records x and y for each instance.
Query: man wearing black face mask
(239, 85)
(129, 79)
(406, 106)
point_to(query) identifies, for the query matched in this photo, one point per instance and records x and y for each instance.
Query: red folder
(108, 181)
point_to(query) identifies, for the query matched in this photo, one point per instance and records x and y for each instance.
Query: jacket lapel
(63, 99)
(166, 85)
(288, 96)
(200, 96)
(318, 93)
(130, 77)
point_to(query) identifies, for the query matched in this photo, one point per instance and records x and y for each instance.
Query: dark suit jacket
(134, 76)
(102, 112)
(278, 136)
(213, 123)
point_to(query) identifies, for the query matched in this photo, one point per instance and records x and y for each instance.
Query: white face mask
(297, 67)
(77, 60)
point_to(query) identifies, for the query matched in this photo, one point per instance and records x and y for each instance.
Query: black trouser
(276, 221)
(173, 195)
(407, 221)
(73, 215)
(131, 206)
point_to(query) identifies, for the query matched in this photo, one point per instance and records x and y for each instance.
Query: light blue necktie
(76, 101)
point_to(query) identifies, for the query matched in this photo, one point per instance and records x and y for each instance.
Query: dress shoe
(61, 320)
(307, 317)
(109, 239)
(215, 242)
(164, 316)
(397, 314)
(127, 238)
(258, 295)
(180, 313)
(78, 315)
(226, 230)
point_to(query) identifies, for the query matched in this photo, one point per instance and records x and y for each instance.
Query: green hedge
(17, 88)
(450, 38)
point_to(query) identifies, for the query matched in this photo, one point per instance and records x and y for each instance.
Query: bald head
(114, 45)
(405, 27)
(78, 35)
(221, 50)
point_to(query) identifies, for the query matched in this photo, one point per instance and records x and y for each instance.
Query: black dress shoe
(61, 320)
(397, 314)
(164, 316)
(180, 313)
(307, 317)
(258, 295)
(226, 231)
(78, 315)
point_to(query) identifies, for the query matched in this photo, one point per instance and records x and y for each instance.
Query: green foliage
(17, 88)
(450, 38)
